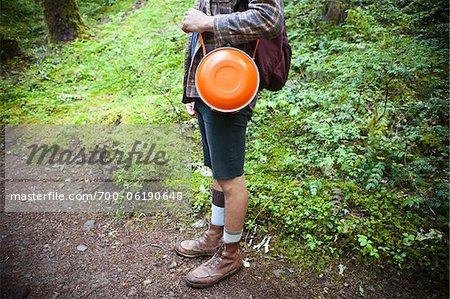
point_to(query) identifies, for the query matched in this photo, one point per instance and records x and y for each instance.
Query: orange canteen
(227, 79)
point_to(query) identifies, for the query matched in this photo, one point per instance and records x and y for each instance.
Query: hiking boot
(226, 261)
(206, 245)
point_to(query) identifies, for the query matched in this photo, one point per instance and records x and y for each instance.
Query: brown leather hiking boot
(206, 245)
(226, 261)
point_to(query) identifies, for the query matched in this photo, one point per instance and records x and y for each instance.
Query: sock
(232, 237)
(218, 208)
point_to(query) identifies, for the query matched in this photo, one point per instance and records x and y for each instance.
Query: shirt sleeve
(263, 19)
(187, 61)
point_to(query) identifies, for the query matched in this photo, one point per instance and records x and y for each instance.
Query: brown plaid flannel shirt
(235, 26)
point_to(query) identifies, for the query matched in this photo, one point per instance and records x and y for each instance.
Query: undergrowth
(350, 159)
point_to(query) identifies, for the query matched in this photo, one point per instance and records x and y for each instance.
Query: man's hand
(197, 21)
(190, 109)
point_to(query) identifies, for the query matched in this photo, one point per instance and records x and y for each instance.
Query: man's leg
(228, 258)
(216, 186)
(206, 244)
(226, 141)
(236, 202)
(218, 205)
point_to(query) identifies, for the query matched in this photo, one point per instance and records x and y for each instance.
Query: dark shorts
(223, 139)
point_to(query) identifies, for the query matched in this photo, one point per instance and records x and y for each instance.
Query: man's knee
(229, 186)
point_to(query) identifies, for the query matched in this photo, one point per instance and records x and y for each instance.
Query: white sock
(232, 237)
(217, 215)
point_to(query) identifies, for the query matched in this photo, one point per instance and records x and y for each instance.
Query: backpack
(273, 59)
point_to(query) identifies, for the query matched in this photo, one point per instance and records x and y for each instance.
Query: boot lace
(218, 255)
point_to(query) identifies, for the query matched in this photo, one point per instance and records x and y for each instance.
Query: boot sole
(193, 255)
(202, 286)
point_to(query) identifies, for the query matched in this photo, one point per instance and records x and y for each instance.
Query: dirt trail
(123, 259)
(52, 255)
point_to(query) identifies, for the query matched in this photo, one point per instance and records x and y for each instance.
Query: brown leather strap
(203, 44)
(204, 47)
(256, 48)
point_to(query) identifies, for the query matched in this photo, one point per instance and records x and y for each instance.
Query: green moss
(349, 160)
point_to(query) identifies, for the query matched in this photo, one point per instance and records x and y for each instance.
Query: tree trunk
(63, 20)
(9, 48)
(335, 11)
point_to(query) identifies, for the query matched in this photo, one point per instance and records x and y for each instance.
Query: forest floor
(54, 255)
(64, 255)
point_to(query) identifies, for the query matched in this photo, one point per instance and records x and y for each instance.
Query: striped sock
(232, 237)
(218, 208)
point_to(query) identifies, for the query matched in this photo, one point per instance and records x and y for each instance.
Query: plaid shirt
(234, 25)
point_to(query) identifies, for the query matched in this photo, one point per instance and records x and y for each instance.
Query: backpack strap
(195, 34)
(256, 48)
(204, 47)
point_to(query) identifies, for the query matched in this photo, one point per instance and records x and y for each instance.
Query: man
(222, 23)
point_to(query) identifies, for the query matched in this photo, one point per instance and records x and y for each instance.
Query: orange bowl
(227, 79)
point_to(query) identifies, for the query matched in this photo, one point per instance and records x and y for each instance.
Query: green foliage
(349, 159)
(117, 76)
(21, 20)
(352, 156)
